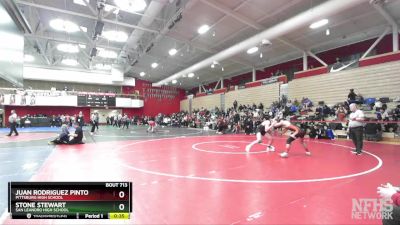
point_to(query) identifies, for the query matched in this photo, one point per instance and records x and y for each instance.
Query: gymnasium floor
(189, 176)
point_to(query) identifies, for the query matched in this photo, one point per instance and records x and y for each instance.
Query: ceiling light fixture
(265, 42)
(261, 55)
(80, 2)
(70, 62)
(252, 50)
(172, 51)
(113, 35)
(318, 24)
(154, 65)
(107, 53)
(190, 75)
(64, 25)
(69, 48)
(29, 58)
(101, 66)
(212, 65)
(142, 74)
(203, 29)
(131, 5)
(174, 81)
(328, 32)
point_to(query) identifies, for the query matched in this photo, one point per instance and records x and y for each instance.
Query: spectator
(396, 113)
(373, 132)
(80, 119)
(53, 121)
(313, 132)
(351, 97)
(341, 113)
(235, 104)
(93, 122)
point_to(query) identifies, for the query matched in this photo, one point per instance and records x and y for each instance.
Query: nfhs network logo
(371, 208)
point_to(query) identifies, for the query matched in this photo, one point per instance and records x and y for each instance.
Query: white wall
(63, 75)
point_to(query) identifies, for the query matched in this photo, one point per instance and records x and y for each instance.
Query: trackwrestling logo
(371, 208)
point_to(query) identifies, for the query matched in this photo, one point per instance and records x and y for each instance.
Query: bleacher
(380, 80)
(266, 94)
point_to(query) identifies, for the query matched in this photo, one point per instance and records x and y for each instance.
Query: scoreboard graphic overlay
(70, 200)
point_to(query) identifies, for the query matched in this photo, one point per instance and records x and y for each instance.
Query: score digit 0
(121, 194)
(121, 207)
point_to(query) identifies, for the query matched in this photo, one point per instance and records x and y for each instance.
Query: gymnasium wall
(207, 102)
(185, 105)
(153, 105)
(328, 56)
(381, 80)
(266, 94)
(47, 85)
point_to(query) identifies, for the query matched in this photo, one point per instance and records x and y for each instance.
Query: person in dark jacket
(248, 126)
(77, 136)
(80, 119)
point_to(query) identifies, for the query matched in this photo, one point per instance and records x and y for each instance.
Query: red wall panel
(388, 57)
(309, 73)
(153, 106)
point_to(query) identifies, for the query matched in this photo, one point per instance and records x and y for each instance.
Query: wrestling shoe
(284, 155)
(270, 148)
(308, 153)
(247, 148)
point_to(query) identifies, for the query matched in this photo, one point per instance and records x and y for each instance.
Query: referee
(12, 119)
(356, 128)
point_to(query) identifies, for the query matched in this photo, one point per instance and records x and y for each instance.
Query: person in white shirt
(356, 128)
(12, 119)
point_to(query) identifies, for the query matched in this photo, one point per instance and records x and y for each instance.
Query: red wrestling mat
(210, 180)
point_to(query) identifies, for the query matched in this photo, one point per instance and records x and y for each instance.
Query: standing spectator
(261, 106)
(351, 98)
(235, 104)
(12, 119)
(341, 113)
(80, 119)
(119, 120)
(112, 120)
(93, 122)
(97, 119)
(356, 128)
(125, 121)
(53, 121)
